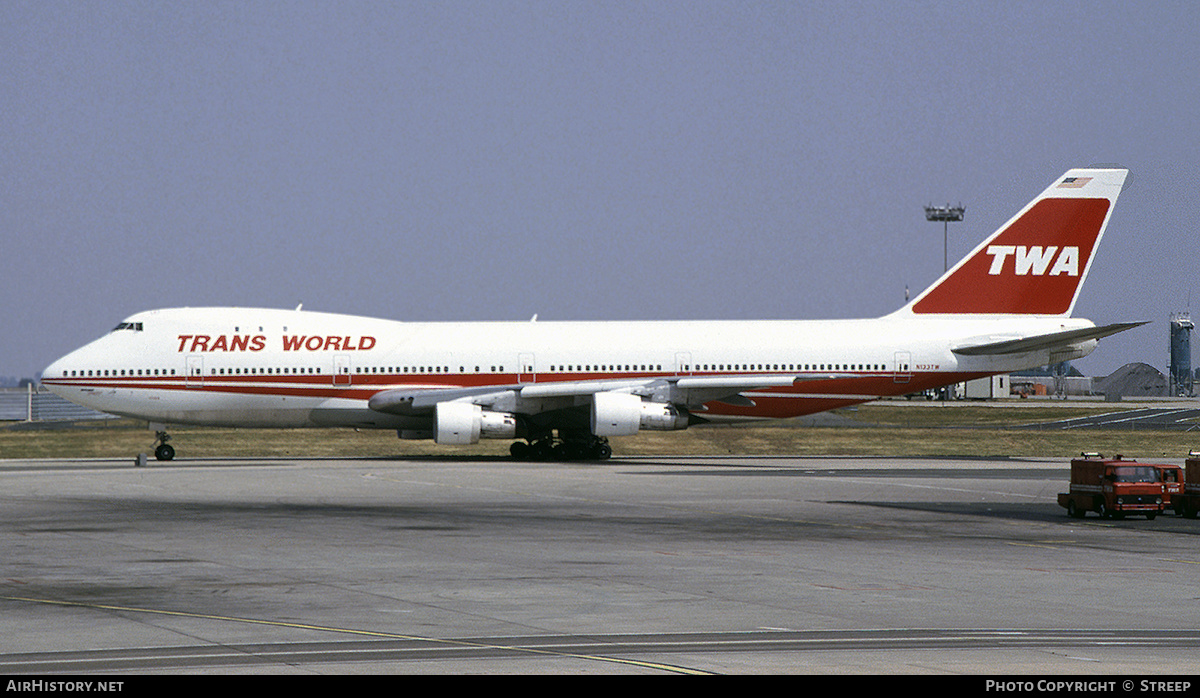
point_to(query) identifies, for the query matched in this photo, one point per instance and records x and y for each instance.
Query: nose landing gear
(162, 449)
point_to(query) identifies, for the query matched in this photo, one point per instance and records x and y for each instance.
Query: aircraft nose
(54, 375)
(55, 369)
(53, 372)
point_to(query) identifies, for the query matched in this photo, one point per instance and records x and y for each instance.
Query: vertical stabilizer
(1035, 263)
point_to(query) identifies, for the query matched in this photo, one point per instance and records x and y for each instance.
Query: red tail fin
(1036, 263)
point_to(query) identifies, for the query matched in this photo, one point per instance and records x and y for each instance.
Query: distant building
(1133, 380)
(1180, 370)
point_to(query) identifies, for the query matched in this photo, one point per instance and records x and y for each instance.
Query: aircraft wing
(412, 401)
(1044, 341)
(692, 391)
(734, 383)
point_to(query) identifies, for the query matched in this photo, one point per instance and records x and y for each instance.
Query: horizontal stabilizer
(1044, 341)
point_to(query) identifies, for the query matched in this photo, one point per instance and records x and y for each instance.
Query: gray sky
(579, 160)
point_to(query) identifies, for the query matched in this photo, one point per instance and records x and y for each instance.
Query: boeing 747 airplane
(560, 389)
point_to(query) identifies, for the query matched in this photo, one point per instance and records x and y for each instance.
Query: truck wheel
(1073, 510)
(1102, 510)
(1150, 515)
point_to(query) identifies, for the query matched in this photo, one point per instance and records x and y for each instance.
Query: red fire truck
(1172, 482)
(1188, 503)
(1112, 487)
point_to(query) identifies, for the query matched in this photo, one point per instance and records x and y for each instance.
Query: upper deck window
(135, 326)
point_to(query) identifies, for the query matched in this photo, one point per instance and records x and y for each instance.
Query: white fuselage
(281, 368)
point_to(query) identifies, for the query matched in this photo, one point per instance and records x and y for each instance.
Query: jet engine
(465, 423)
(622, 414)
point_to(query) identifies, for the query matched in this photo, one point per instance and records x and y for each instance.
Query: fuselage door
(341, 369)
(903, 370)
(526, 372)
(193, 374)
(683, 363)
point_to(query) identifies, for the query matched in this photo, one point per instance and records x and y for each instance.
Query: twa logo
(1035, 259)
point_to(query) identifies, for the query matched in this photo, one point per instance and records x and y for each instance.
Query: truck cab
(1172, 477)
(1188, 502)
(1113, 487)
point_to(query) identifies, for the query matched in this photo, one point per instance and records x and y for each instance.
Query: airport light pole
(946, 214)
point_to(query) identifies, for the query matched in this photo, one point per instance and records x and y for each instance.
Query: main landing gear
(549, 448)
(162, 449)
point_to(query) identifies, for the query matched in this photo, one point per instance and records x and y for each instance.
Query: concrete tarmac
(630, 566)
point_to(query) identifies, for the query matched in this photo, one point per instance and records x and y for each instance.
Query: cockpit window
(135, 326)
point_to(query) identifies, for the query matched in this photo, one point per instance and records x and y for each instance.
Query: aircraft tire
(542, 450)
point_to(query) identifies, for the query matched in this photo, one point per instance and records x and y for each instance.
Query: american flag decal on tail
(1074, 182)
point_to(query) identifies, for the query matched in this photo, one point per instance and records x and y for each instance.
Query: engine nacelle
(660, 416)
(622, 414)
(616, 414)
(465, 423)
